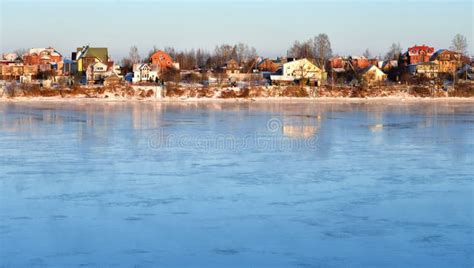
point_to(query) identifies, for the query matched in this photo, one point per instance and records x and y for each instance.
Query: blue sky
(270, 26)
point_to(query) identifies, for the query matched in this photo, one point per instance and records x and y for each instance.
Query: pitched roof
(140, 66)
(368, 68)
(100, 53)
(37, 51)
(436, 54)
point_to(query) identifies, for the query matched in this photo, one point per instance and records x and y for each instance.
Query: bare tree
(134, 56)
(222, 54)
(150, 53)
(20, 52)
(322, 50)
(201, 58)
(244, 53)
(459, 44)
(367, 54)
(394, 52)
(301, 50)
(127, 65)
(170, 51)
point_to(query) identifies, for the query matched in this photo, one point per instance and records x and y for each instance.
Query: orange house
(360, 62)
(42, 56)
(162, 59)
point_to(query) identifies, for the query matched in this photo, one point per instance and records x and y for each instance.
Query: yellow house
(89, 55)
(373, 74)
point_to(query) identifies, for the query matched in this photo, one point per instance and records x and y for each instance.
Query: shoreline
(388, 99)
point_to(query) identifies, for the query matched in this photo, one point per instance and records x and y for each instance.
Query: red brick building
(337, 62)
(42, 56)
(162, 59)
(360, 63)
(418, 54)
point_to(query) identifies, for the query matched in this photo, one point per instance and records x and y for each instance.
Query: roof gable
(100, 53)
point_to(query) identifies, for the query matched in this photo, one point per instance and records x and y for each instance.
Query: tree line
(318, 49)
(201, 58)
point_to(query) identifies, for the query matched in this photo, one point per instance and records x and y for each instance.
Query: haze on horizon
(269, 26)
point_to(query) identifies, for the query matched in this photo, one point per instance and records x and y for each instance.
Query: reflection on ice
(385, 186)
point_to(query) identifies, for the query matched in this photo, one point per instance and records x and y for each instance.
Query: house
(144, 72)
(359, 62)
(424, 69)
(388, 65)
(372, 74)
(447, 60)
(85, 56)
(232, 67)
(163, 60)
(69, 67)
(297, 70)
(12, 71)
(418, 54)
(268, 65)
(466, 72)
(42, 56)
(338, 62)
(97, 71)
(391, 68)
(16, 70)
(10, 57)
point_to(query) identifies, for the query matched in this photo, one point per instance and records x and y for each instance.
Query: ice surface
(146, 185)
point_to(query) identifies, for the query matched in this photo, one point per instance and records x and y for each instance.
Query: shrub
(420, 91)
(294, 91)
(462, 90)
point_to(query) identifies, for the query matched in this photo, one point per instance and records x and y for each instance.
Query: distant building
(96, 72)
(15, 71)
(338, 63)
(42, 56)
(389, 65)
(359, 62)
(268, 65)
(69, 67)
(424, 69)
(85, 56)
(10, 57)
(299, 69)
(163, 60)
(447, 60)
(232, 67)
(418, 54)
(12, 71)
(143, 72)
(372, 74)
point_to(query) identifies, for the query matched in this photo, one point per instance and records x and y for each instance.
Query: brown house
(14, 71)
(447, 60)
(268, 65)
(232, 67)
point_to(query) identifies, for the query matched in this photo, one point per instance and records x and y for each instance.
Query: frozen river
(236, 185)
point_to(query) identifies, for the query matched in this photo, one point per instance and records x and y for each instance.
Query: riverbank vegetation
(176, 90)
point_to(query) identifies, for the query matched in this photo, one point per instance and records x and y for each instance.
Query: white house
(96, 71)
(145, 72)
(10, 56)
(298, 69)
